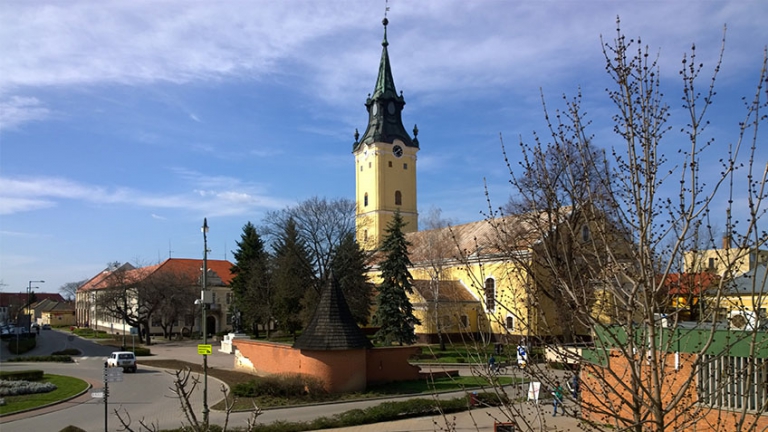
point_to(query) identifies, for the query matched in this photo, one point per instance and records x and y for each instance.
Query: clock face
(391, 107)
(397, 150)
(375, 108)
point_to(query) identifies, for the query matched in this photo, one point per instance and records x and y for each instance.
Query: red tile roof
(20, 299)
(181, 266)
(682, 284)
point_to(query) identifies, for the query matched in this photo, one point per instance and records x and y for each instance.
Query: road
(146, 395)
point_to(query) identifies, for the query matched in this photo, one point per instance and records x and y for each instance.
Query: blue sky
(124, 123)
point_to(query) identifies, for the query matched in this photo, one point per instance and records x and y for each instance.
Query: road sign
(97, 395)
(113, 371)
(204, 349)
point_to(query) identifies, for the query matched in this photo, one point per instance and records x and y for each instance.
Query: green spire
(384, 107)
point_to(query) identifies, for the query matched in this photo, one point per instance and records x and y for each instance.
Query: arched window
(510, 324)
(585, 233)
(490, 294)
(365, 200)
(398, 198)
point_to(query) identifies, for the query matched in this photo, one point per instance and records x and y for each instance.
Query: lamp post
(203, 324)
(29, 309)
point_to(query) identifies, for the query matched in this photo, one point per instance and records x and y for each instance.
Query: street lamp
(203, 324)
(29, 309)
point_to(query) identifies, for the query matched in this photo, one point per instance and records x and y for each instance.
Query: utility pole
(204, 323)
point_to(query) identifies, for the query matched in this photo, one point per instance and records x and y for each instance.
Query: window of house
(229, 319)
(464, 321)
(365, 200)
(398, 198)
(732, 383)
(510, 324)
(213, 297)
(490, 294)
(585, 233)
(229, 297)
(711, 263)
(390, 164)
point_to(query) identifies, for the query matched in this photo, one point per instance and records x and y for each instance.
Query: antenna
(225, 251)
(170, 252)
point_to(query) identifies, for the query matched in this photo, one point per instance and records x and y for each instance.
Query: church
(472, 280)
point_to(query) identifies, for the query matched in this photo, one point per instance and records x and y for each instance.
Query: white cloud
(16, 110)
(222, 196)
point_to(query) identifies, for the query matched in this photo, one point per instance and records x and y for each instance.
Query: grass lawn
(402, 388)
(66, 387)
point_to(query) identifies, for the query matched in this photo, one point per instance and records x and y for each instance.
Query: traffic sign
(204, 349)
(97, 395)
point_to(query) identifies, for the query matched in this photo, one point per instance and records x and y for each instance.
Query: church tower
(385, 161)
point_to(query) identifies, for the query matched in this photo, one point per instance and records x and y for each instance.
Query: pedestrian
(522, 356)
(557, 398)
(492, 364)
(573, 385)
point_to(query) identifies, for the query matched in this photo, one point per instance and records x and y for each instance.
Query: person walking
(557, 398)
(492, 364)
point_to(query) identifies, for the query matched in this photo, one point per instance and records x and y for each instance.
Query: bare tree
(599, 237)
(69, 289)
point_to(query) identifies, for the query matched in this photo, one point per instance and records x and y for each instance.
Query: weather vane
(386, 7)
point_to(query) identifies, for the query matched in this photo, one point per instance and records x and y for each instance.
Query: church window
(398, 198)
(711, 263)
(585, 233)
(361, 167)
(490, 294)
(510, 324)
(390, 164)
(365, 235)
(369, 164)
(405, 166)
(464, 321)
(365, 200)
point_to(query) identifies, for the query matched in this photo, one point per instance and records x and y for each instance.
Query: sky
(124, 123)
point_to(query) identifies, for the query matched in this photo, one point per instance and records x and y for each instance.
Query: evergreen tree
(349, 266)
(251, 285)
(394, 313)
(292, 277)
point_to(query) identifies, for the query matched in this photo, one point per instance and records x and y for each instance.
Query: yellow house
(726, 262)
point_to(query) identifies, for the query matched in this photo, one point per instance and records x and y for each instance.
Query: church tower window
(398, 198)
(365, 200)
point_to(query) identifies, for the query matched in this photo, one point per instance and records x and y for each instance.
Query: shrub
(19, 387)
(22, 375)
(71, 428)
(51, 358)
(280, 386)
(67, 352)
(20, 346)
(142, 352)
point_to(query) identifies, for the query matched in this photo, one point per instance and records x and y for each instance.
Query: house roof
(220, 272)
(332, 326)
(751, 282)
(20, 299)
(683, 284)
(449, 291)
(48, 305)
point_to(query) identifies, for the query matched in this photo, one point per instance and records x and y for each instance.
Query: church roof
(486, 238)
(449, 291)
(332, 326)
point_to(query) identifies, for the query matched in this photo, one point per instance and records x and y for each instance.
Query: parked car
(46, 326)
(123, 359)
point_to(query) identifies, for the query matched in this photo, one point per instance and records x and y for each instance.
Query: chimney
(726, 242)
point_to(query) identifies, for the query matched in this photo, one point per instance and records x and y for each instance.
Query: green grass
(92, 334)
(66, 388)
(437, 385)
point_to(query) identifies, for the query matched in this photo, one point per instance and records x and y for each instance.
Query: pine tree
(350, 267)
(292, 277)
(251, 285)
(394, 313)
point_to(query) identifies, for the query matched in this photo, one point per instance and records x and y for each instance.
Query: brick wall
(605, 390)
(340, 371)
